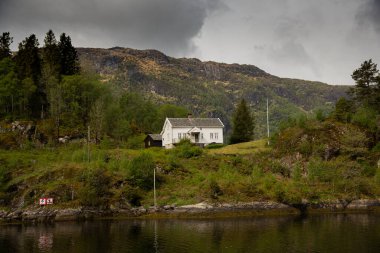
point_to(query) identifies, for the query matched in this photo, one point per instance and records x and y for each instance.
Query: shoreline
(200, 210)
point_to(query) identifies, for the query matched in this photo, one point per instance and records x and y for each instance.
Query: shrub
(320, 171)
(8, 141)
(135, 142)
(187, 150)
(297, 172)
(132, 195)
(141, 171)
(215, 146)
(305, 147)
(96, 190)
(216, 191)
(172, 165)
(376, 148)
(277, 168)
(5, 175)
(354, 143)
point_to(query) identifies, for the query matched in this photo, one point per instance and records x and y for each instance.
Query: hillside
(209, 88)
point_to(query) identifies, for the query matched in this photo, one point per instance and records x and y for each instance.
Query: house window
(179, 135)
(211, 136)
(216, 135)
(201, 135)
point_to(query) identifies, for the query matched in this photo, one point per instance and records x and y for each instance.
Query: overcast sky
(323, 40)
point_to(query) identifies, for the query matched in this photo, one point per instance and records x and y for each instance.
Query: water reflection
(45, 242)
(325, 233)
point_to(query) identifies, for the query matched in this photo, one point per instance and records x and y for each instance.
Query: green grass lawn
(241, 148)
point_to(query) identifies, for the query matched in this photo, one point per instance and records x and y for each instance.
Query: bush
(376, 148)
(5, 174)
(141, 171)
(216, 191)
(8, 141)
(96, 190)
(215, 146)
(185, 149)
(132, 195)
(320, 171)
(354, 143)
(173, 164)
(277, 168)
(297, 172)
(135, 142)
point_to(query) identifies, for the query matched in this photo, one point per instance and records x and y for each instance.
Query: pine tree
(51, 56)
(243, 124)
(5, 42)
(51, 67)
(69, 57)
(28, 64)
(9, 90)
(367, 88)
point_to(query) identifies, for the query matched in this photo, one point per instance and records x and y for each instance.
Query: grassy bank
(185, 175)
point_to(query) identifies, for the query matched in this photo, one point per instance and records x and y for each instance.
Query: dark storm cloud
(168, 25)
(317, 40)
(370, 13)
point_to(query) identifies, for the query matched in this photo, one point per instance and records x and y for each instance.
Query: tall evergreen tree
(5, 42)
(28, 64)
(51, 56)
(51, 67)
(367, 89)
(9, 90)
(243, 124)
(69, 57)
(28, 59)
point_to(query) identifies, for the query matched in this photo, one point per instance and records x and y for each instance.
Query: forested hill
(209, 88)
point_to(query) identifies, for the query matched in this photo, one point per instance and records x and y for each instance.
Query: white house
(201, 131)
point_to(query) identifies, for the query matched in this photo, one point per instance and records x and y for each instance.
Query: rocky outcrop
(197, 210)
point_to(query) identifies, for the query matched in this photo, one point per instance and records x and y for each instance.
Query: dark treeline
(29, 77)
(46, 85)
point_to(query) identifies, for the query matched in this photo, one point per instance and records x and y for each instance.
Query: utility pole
(268, 119)
(154, 188)
(88, 144)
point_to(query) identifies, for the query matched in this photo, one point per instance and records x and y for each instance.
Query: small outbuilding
(153, 140)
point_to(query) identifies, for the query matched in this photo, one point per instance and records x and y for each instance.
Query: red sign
(46, 201)
(42, 202)
(49, 201)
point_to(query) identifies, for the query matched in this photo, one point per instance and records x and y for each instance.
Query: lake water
(318, 233)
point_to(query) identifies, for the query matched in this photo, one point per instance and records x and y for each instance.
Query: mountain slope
(209, 88)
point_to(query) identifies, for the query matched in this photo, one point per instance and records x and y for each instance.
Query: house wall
(170, 135)
(167, 135)
(207, 138)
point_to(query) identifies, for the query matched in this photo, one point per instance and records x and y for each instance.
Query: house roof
(195, 122)
(155, 137)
